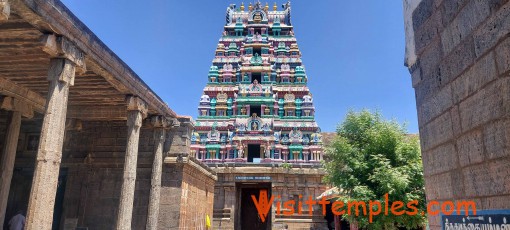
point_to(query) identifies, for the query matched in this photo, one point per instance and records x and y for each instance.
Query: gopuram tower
(256, 121)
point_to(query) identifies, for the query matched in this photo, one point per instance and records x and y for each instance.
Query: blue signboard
(484, 219)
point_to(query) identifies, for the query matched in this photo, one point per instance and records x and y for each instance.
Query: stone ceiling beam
(14, 104)
(61, 47)
(97, 112)
(23, 94)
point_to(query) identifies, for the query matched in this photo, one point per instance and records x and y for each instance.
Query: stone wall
(187, 180)
(92, 197)
(194, 188)
(94, 156)
(462, 93)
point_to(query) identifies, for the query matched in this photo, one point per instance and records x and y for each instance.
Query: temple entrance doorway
(247, 217)
(254, 153)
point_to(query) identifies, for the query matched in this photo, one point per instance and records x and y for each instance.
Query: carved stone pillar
(5, 10)
(137, 110)
(10, 146)
(159, 123)
(66, 59)
(229, 198)
(7, 163)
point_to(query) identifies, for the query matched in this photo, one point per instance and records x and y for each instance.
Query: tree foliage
(371, 157)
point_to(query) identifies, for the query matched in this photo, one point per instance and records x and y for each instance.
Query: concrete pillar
(7, 163)
(159, 123)
(44, 185)
(137, 110)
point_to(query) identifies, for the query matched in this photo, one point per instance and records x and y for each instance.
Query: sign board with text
(484, 219)
(252, 178)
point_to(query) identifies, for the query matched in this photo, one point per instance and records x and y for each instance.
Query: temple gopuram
(256, 122)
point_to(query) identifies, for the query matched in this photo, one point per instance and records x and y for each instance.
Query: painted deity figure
(256, 60)
(306, 140)
(307, 98)
(195, 137)
(257, 37)
(277, 137)
(241, 127)
(285, 139)
(213, 135)
(231, 136)
(316, 137)
(266, 77)
(268, 151)
(204, 98)
(241, 150)
(255, 86)
(257, 17)
(204, 139)
(254, 126)
(265, 127)
(296, 135)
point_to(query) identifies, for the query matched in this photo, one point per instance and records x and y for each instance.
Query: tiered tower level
(256, 106)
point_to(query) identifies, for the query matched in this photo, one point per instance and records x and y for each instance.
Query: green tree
(371, 157)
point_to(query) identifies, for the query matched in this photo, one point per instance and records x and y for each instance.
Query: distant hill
(327, 137)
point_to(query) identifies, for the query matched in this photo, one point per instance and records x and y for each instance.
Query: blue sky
(353, 50)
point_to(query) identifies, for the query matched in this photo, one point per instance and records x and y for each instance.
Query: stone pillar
(159, 123)
(137, 110)
(230, 198)
(5, 10)
(7, 163)
(11, 141)
(66, 60)
(44, 185)
(337, 222)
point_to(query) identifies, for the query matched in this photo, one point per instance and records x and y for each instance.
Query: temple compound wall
(458, 54)
(84, 142)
